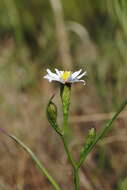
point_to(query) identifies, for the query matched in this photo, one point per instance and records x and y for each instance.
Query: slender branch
(70, 159)
(72, 162)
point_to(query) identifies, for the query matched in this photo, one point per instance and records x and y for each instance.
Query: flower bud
(52, 113)
(65, 93)
(89, 140)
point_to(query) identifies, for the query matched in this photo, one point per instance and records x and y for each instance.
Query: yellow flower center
(65, 75)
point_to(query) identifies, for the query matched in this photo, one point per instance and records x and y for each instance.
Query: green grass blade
(37, 162)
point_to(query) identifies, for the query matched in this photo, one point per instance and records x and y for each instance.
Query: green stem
(72, 162)
(37, 162)
(65, 93)
(76, 179)
(65, 123)
(70, 159)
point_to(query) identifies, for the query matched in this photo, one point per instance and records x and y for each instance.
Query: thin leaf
(103, 132)
(34, 158)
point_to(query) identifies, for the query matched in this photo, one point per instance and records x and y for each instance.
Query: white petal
(80, 76)
(55, 76)
(61, 72)
(62, 81)
(57, 72)
(48, 71)
(74, 81)
(56, 80)
(48, 77)
(51, 78)
(82, 81)
(75, 74)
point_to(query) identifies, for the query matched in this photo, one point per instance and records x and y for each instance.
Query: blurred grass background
(35, 35)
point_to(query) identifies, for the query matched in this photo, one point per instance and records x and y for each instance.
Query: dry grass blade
(96, 117)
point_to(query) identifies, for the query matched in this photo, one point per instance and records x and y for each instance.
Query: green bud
(92, 133)
(52, 113)
(52, 116)
(65, 93)
(89, 140)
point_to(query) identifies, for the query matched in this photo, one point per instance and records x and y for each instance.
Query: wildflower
(65, 76)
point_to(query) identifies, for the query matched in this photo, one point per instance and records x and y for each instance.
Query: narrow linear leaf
(103, 132)
(37, 162)
(43, 170)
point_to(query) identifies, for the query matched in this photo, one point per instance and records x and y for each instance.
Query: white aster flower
(65, 76)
